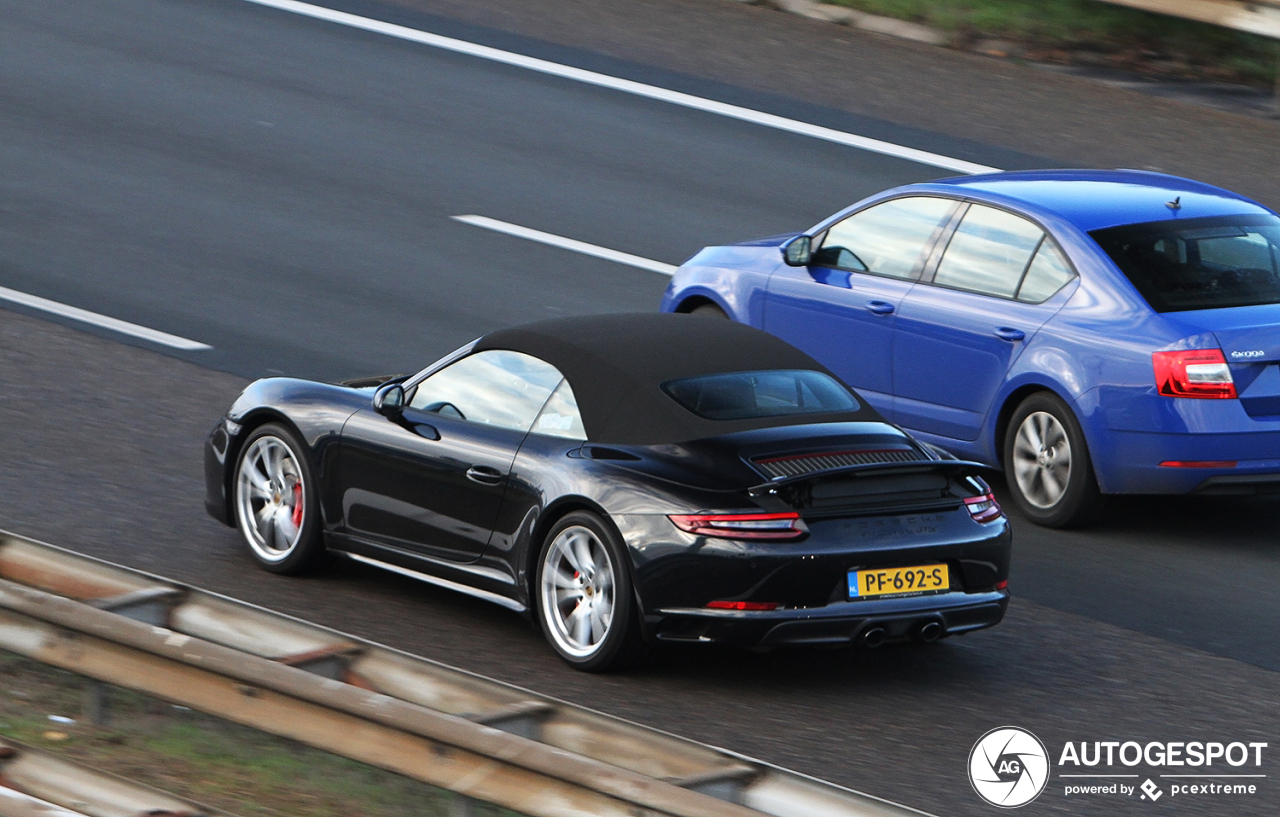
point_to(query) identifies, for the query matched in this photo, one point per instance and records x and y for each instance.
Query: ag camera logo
(1009, 767)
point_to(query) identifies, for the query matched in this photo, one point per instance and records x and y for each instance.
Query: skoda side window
(1049, 272)
(887, 239)
(993, 252)
(988, 252)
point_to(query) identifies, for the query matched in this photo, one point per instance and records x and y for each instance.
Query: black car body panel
(315, 411)
(396, 490)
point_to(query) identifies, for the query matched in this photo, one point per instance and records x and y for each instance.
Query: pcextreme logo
(1008, 767)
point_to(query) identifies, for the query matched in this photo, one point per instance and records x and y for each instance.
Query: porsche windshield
(1205, 263)
(748, 395)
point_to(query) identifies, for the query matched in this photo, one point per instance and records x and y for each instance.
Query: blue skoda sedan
(1089, 332)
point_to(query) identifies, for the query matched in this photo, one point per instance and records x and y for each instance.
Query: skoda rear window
(1203, 263)
(748, 395)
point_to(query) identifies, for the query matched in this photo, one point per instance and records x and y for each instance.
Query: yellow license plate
(898, 581)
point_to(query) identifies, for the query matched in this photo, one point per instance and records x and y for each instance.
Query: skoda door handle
(1009, 333)
(879, 307)
(484, 475)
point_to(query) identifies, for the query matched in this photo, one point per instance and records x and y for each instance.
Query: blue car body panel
(933, 364)
(821, 325)
(733, 278)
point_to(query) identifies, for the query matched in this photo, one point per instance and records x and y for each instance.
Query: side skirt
(397, 561)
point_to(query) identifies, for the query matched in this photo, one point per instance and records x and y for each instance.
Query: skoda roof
(1096, 199)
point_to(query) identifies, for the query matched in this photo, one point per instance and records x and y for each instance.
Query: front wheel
(584, 597)
(276, 501)
(1047, 464)
(709, 311)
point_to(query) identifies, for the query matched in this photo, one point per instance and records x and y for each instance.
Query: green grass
(220, 764)
(1094, 32)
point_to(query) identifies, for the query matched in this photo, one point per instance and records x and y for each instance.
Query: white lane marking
(567, 243)
(638, 88)
(114, 324)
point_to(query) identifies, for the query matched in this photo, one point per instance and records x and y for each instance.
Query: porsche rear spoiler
(947, 466)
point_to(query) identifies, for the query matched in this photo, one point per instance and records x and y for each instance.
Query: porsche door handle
(879, 307)
(484, 475)
(1009, 333)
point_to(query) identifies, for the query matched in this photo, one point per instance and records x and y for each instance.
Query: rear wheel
(1047, 464)
(585, 604)
(276, 503)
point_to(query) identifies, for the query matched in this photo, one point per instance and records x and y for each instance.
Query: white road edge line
(627, 86)
(114, 324)
(567, 243)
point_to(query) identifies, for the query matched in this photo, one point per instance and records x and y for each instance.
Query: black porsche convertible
(624, 480)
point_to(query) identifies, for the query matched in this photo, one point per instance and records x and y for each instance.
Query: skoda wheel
(1047, 464)
(709, 311)
(275, 501)
(584, 597)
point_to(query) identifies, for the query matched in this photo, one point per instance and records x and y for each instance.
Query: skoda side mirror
(798, 251)
(389, 399)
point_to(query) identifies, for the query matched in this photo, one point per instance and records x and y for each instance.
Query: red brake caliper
(297, 504)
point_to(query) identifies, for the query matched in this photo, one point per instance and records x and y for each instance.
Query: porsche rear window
(1203, 263)
(749, 395)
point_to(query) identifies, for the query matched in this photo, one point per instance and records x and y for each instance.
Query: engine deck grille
(794, 465)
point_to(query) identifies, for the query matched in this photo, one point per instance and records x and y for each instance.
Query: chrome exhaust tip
(930, 632)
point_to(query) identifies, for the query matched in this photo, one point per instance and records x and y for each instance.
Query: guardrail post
(95, 703)
(460, 805)
(1275, 98)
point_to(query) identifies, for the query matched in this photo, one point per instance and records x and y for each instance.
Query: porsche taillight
(742, 525)
(1199, 373)
(983, 508)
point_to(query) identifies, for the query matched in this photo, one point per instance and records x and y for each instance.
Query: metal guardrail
(37, 784)
(493, 742)
(1253, 16)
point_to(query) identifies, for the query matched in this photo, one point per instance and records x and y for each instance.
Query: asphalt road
(281, 189)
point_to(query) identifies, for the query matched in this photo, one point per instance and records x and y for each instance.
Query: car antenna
(1176, 204)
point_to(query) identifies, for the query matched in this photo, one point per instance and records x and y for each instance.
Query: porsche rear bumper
(838, 624)
(684, 582)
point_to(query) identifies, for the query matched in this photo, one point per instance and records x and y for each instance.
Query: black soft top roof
(616, 365)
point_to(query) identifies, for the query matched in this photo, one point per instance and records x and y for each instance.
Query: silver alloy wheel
(577, 591)
(270, 497)
(1042, 459)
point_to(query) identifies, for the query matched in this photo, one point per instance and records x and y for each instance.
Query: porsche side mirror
(389, 399)
(798, 251)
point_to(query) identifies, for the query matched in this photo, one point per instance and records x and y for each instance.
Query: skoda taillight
(1200, 373)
